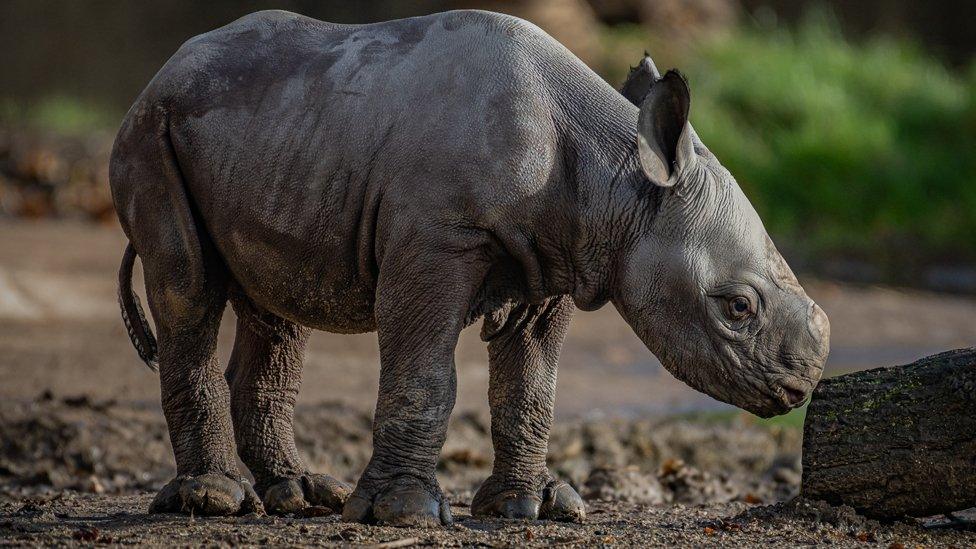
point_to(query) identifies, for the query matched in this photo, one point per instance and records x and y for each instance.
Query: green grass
(792, 420)
(848, 150)
(843, 147)
(59, 114)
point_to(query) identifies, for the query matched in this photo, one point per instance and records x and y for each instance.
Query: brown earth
(78, 470)
(83, 444)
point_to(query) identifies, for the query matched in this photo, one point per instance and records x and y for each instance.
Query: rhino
(411, 177)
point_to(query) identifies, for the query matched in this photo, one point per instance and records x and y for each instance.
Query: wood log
(895, 441)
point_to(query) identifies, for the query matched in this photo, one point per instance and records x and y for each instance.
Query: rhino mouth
(783, 394)
(774, 405)
(792, 397)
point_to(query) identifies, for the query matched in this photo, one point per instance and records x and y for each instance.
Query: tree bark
(895, 441)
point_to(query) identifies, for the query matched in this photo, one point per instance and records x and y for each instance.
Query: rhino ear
(639, 80)
(664, 137)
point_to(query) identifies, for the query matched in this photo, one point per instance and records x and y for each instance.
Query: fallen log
(895, 441)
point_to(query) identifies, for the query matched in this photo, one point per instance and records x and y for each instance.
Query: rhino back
(306, 144)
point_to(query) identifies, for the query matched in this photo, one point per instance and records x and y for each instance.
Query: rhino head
(702, 284)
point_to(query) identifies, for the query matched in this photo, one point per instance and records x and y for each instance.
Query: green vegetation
(845, 149)
(59, 114)
(792, 420)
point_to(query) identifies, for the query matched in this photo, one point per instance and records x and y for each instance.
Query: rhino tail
(133, 315)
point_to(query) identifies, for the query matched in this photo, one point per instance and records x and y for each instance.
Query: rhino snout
(793, 390)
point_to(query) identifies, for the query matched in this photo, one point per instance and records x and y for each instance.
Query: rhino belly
(309, 281)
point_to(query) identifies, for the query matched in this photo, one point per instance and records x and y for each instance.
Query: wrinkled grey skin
(410, 177)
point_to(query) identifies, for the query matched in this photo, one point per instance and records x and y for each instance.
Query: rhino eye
(739, 307)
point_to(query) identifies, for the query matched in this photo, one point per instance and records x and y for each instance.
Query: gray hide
(411, 177)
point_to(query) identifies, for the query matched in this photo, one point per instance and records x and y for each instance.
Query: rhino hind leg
(265, 374)
(195, 396)
(523, 352)
(186, 285)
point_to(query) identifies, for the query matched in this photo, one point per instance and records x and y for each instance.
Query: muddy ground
(78, 470)
(83, 444)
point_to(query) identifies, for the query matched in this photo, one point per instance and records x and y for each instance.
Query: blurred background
(850, 125)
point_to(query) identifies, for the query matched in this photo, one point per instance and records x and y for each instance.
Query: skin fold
(410, 178)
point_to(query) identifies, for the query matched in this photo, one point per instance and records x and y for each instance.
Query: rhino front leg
(523, 352)
(265, 375)
(421, 305)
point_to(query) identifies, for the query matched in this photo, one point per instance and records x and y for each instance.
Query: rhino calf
(409, 178)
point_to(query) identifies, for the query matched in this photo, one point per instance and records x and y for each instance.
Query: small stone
(94, 485)
(630, 485)
(315, 511)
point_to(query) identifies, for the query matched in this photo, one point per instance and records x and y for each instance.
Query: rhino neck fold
(604, 195)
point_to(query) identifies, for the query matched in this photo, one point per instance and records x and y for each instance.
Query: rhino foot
(209, 494)
(402, 501)
(291, 495)
(557, 501)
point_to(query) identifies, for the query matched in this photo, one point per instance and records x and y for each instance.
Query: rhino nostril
(792, 395)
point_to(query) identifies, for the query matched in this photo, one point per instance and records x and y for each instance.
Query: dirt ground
(83, 444)
(80, 470)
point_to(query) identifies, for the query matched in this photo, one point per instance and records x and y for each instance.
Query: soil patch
(76, 470)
